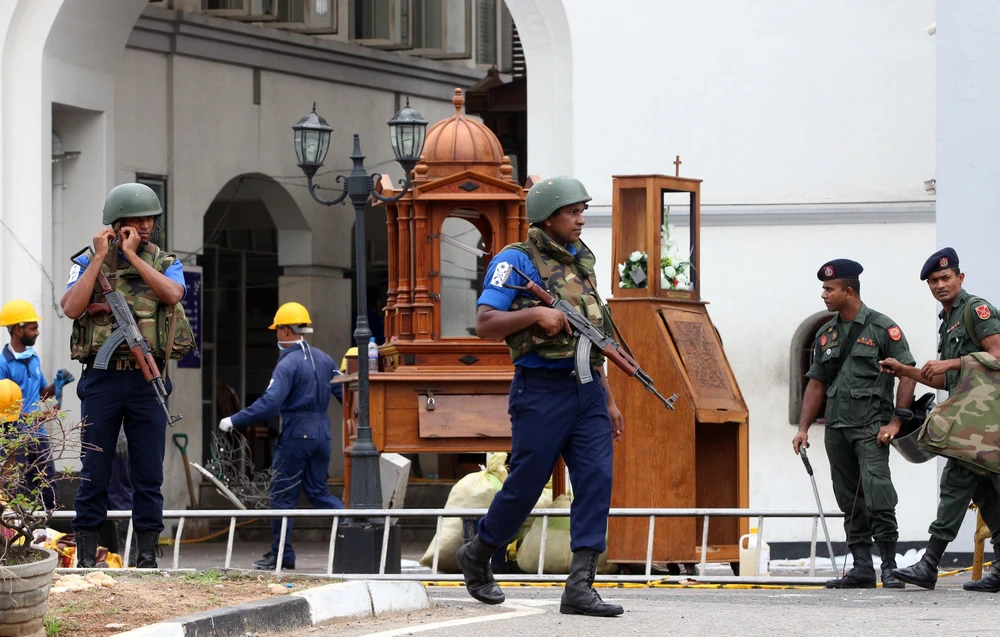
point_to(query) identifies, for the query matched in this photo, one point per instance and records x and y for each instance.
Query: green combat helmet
(550, 195)
(130, 200)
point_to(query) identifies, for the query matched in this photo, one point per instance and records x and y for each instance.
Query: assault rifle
(587, 336)
(125, 330)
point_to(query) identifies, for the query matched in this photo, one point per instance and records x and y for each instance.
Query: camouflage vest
(966, 427)
(155, 320)
(566, 277)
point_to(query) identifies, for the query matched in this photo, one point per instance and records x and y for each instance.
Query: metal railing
(385, 516)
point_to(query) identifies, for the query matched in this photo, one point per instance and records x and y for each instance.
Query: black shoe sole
(910, 580)
(271, 567)
(965, 587)
(894, 586)
(573, 610)
(852, 586)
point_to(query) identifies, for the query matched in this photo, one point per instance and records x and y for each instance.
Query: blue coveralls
(550, 415)
(300, 391)
(111, 399)
(28, 375)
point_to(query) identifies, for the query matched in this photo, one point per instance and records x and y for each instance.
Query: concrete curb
(346, 600)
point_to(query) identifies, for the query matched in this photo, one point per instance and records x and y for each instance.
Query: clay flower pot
(24, 596)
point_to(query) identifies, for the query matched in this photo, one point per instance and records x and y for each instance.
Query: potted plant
(26, 570)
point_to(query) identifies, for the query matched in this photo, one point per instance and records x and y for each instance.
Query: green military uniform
(858, 402)
(961, 484)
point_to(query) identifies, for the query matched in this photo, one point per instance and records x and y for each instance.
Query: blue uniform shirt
(28, 375)
(175, 271)
(299, 391)
(500, 298)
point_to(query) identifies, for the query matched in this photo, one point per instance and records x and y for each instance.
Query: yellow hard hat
(17, 313)
(291, 314)
(10, 400)
(343, 363)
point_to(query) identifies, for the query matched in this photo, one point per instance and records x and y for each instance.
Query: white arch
(548, 50)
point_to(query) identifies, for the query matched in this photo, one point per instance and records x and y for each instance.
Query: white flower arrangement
(632, 273)
(675, 270)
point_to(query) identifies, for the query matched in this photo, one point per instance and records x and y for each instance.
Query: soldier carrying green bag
(969, 325)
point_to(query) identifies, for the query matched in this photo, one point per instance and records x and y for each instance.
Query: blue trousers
(120, 486)
(301, 464)
(43, 475)
(111, 399)
(551, 416)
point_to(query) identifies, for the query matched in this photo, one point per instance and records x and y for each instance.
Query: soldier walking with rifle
(541, 297)
(124, 295)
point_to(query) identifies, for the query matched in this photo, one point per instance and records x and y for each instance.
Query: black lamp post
(312, 141)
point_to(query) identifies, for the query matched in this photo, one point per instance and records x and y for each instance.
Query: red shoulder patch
(822, 341)
(895, 333)
(983, 311)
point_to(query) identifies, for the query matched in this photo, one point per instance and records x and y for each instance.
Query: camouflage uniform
(960, 483)
(857, 405)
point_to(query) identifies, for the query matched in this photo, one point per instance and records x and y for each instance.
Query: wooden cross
(677, 166)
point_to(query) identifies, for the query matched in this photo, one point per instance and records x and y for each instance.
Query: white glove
(226, 424)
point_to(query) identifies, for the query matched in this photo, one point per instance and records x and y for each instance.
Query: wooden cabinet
(696, 455)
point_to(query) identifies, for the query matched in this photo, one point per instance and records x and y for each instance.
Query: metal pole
(366, 485)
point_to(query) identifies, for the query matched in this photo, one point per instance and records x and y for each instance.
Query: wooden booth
(696, 455)
(439, 387)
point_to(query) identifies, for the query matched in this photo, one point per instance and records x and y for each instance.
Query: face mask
(26, 354)
(283, 345)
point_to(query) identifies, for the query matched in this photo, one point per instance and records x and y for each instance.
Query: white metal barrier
(385, 516)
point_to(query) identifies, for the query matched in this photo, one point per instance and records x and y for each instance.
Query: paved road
(814, 612)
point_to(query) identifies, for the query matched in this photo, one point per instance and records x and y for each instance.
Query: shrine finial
(677, 166)
(458, 101)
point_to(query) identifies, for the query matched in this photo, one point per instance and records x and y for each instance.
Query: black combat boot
(86, 549)
(270, 562)
(990, 583)
(149, 549)
(580, 598)
(474, 560)
(862, 575)
(888, 551)
(925, 572)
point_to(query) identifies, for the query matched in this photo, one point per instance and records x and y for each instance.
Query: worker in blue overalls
(299, 391)
(20, 363)
(551, 414)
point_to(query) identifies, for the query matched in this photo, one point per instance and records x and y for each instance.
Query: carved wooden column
(512, 222)
(423, 308)
(391, 328)
(404, 299)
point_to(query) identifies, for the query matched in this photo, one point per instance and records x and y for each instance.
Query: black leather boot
(990, 583)
(888, 551)
(86, 549)
(270, 562)
(580, 598)
(474, 560)
(861, 575)
(925, 572)
(149, 549)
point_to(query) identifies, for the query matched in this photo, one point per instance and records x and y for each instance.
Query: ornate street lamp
(312, 141)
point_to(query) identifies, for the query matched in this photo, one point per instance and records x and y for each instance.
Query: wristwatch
(902, 414)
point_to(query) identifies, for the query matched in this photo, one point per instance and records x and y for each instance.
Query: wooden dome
(459, 141)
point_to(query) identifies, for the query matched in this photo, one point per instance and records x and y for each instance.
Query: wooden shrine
(696, 455)
(439, 387)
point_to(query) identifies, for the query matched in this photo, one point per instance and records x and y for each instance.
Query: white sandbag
(558, 556)
(474, 491)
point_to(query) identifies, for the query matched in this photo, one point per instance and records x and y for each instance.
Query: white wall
(779, 101)
(761, 284)
(968, 133)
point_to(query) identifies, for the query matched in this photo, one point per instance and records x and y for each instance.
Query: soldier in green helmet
(152, 282)
(551, 414)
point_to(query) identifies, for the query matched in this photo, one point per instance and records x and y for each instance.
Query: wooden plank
(717, 478)
(474, 416)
